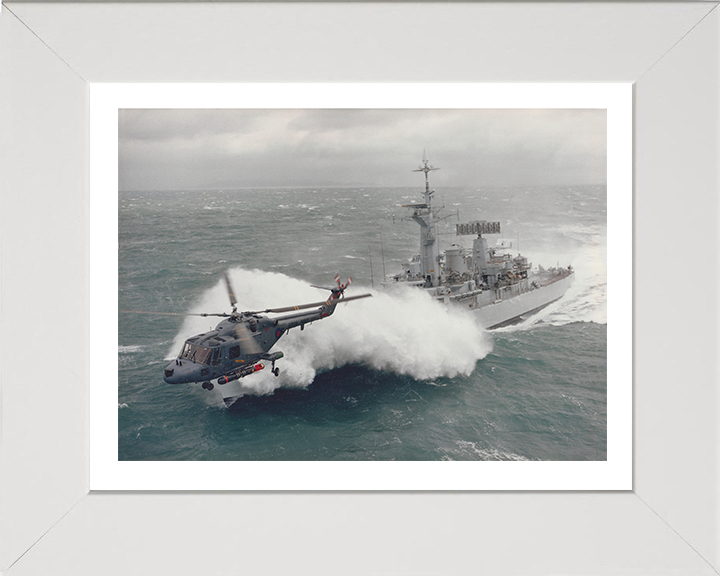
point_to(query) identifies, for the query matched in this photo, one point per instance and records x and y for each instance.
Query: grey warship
(500, 288)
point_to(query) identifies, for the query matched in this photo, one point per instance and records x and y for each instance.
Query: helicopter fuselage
(237, 344)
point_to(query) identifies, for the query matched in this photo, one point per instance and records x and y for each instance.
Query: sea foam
(586, 299)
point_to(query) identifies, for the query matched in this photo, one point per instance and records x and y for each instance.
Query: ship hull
(516, 309)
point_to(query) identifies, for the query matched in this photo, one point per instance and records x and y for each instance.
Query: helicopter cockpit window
(196, 353)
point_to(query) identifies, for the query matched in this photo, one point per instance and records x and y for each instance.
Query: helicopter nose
(182, 372)
(170, 376)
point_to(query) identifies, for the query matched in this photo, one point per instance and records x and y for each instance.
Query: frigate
(501, 288)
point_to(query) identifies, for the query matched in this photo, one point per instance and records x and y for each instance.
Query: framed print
(383, 343)
(51, 520)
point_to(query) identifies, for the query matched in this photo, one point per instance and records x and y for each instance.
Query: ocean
(392, 377)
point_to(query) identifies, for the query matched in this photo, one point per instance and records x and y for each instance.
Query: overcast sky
(201, 149)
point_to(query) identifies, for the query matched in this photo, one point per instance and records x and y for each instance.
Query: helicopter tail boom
(326, 309)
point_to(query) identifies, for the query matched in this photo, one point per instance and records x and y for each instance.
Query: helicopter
(240, 344)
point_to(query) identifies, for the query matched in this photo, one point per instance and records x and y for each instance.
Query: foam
(586, 299)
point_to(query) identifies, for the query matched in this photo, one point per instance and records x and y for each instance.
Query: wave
(131, 349)
(465, 449)
(405, 332)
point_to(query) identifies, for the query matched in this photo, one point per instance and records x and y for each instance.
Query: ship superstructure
(501, 288)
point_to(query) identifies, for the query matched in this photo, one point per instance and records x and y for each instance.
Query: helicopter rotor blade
(248, 344)
(323, 287)
(231, 293)
(348, 298)
(223, 314)
(293, 308)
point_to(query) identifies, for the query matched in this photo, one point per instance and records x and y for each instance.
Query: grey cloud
(168, 149)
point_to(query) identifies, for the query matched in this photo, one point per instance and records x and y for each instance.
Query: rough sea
(393, 377)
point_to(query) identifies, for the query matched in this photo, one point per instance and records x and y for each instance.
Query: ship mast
(423, 215)
(426, 168)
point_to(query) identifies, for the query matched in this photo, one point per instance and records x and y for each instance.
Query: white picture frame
(666, 524)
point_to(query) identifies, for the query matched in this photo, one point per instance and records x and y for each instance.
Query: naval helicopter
(240, 344)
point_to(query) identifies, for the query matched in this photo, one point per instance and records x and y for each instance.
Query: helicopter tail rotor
(336, 292)
(340, 284)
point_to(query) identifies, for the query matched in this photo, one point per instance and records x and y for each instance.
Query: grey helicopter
(240, 345)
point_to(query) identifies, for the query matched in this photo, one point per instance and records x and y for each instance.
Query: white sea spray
(586, 299)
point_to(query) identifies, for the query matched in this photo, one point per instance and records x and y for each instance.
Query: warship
(500, 288)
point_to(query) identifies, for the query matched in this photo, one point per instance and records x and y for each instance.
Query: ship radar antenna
(426, 167)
